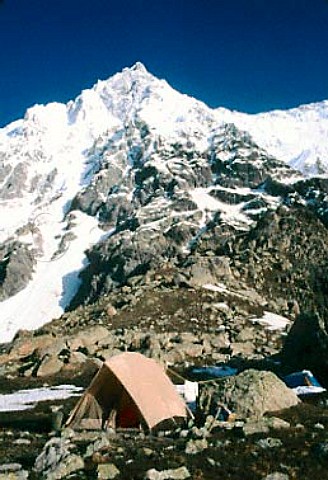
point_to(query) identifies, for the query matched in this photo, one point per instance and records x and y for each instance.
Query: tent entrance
(90, 414)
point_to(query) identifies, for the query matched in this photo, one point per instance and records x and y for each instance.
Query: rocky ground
(181, 327)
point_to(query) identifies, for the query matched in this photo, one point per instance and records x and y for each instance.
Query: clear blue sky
(249, 55)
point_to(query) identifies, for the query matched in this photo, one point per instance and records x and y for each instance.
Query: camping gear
(214, 371)
(130, 390)
(303, 383)
(189, 392)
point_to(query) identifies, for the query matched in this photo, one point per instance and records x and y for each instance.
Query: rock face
(16, 267)
(306, 346)
(250, 394)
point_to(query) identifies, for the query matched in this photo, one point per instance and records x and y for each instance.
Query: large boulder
(250, 394)
(306, 346)
(56, 460)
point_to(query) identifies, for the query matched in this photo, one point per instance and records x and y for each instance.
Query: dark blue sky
(249, 55)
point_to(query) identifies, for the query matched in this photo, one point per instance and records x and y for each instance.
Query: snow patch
(28, 399)
(272, 321)
(54, 282)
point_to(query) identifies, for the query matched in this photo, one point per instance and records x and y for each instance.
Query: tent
(129, 391)
(303, 383)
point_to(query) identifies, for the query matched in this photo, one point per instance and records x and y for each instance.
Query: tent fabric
(132, 388)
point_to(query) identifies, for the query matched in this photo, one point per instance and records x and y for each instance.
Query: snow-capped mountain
(298, 136)
(137, 173)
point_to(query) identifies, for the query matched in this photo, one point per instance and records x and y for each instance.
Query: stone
(19, 475)
(22, 441)
(107, 471)
(12, 471)
(319, 426)
(49, 366)
(242, 348)
(77, 358)
(277, 423)
(251, 428)
(96, 446)
(276, 476)
(245, 335)
(89, 338)
(51, 349)
(196, 446)
(250, 394)
(10, 467)
(111, 310)
(148, 451)
(264, 425)
(269, 443)
(70, 464)
(57, 416)
(180, 473)
(25, 344)
(53, 452)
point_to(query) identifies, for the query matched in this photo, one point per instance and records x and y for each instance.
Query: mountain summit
(132, 176)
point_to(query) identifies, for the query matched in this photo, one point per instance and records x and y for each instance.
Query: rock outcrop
(306, 346)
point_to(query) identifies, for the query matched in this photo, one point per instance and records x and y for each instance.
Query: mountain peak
(139, 67)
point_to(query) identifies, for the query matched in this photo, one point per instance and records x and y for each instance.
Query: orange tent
(128, 391)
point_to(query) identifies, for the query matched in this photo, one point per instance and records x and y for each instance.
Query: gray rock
(264, 425)
(269, 443)
(10, 467)
(68, 465)
(53, 452)
(57, 416)
(180, 473)
(49, 366)
(251, 428)
(107, 471)
(19, 475)
(276, 476)
(22, 441)
(16, 268)
(252, 393)
(196, 446)
(12, 471)
(96, 446)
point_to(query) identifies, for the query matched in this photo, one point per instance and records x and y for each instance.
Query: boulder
(49, 366)
(250, 394)
(107, 471)
(306, 346)
(89, 338)
(56, 461)
(52, 348)
(26, 344)
(70, 464)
